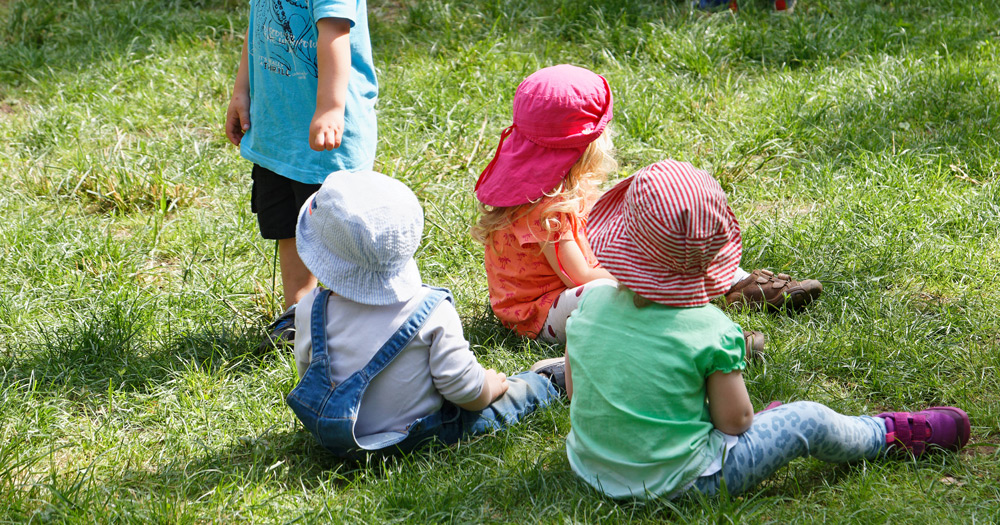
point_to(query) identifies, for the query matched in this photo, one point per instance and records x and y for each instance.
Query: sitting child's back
(639, 418)
(436, 365)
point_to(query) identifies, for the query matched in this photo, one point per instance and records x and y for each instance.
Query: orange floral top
(522, 284)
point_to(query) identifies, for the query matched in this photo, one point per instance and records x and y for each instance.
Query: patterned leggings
(554, 329)
(791, 431)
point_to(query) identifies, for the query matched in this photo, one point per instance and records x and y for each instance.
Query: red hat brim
(528, 171)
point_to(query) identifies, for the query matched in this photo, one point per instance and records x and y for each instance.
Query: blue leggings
(791, 431)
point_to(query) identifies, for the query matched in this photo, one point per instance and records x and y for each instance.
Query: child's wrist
(323, 108)
(489, 386)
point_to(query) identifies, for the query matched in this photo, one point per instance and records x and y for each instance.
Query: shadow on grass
(112, 349)
(483, 328)
(488, 478)
(279, 460)
(40, 36)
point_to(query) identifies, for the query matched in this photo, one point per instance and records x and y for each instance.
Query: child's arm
(728, 402)
(238, 114)
(571, 265)
(333, 56)
(494, 386)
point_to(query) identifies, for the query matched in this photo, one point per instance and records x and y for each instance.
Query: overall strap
(317, 322)
(406, 332)
(394, 345)
(330, 410)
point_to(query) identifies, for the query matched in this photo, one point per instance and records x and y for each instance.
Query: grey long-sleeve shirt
(436, 365)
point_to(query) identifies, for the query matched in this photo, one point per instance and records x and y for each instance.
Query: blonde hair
(568, 197)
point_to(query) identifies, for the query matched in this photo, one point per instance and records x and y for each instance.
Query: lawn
(858, 140)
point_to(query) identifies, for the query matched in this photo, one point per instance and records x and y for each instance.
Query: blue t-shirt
(283, 79)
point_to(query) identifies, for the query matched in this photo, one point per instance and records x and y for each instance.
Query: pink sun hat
(558, 112)
(668, 234)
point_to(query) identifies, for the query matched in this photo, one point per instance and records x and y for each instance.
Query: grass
(857, 141)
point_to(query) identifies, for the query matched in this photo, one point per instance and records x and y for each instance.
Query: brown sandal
(766, 290)
(754, 341)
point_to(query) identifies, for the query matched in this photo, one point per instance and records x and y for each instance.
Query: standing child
(383, 361)
(658, 402)
(303, 106)
(536, 194)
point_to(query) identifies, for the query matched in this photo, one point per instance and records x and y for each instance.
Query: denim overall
(330, 411)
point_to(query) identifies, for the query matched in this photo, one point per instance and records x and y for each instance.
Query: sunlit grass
(856, 139)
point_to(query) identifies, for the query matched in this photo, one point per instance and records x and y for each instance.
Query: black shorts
(276, 201)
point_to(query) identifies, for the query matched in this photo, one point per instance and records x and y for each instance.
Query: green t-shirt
(640, 420)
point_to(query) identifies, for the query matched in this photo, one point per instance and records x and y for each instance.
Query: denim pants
(795, 430)
(329, 411)
(527, 392)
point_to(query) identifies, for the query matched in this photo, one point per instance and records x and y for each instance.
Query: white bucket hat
(358, 234)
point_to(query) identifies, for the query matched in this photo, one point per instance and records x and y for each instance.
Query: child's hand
(237, 118)
(494, 386)
(497, 383)
(326, 129)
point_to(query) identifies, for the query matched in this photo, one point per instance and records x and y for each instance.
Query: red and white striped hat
(668, 234)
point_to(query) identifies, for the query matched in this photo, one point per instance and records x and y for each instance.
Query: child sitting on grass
(536, 195)
(658, 402)
(383, 361)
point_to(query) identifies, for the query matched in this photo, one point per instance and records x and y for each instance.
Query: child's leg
(527, 393)
(713, 5)
(790, 431)
(554, 329)
(296, 280)
(276, 201)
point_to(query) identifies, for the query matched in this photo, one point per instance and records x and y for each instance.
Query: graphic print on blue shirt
(293, 34)
(283, 74)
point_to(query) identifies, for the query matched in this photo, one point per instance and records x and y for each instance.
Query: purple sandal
(944, 427)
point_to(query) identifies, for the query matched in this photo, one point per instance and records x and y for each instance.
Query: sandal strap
(901, 433)
(911, 431)
(920, 432)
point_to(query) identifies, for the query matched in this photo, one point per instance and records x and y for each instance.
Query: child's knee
(531, 390)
